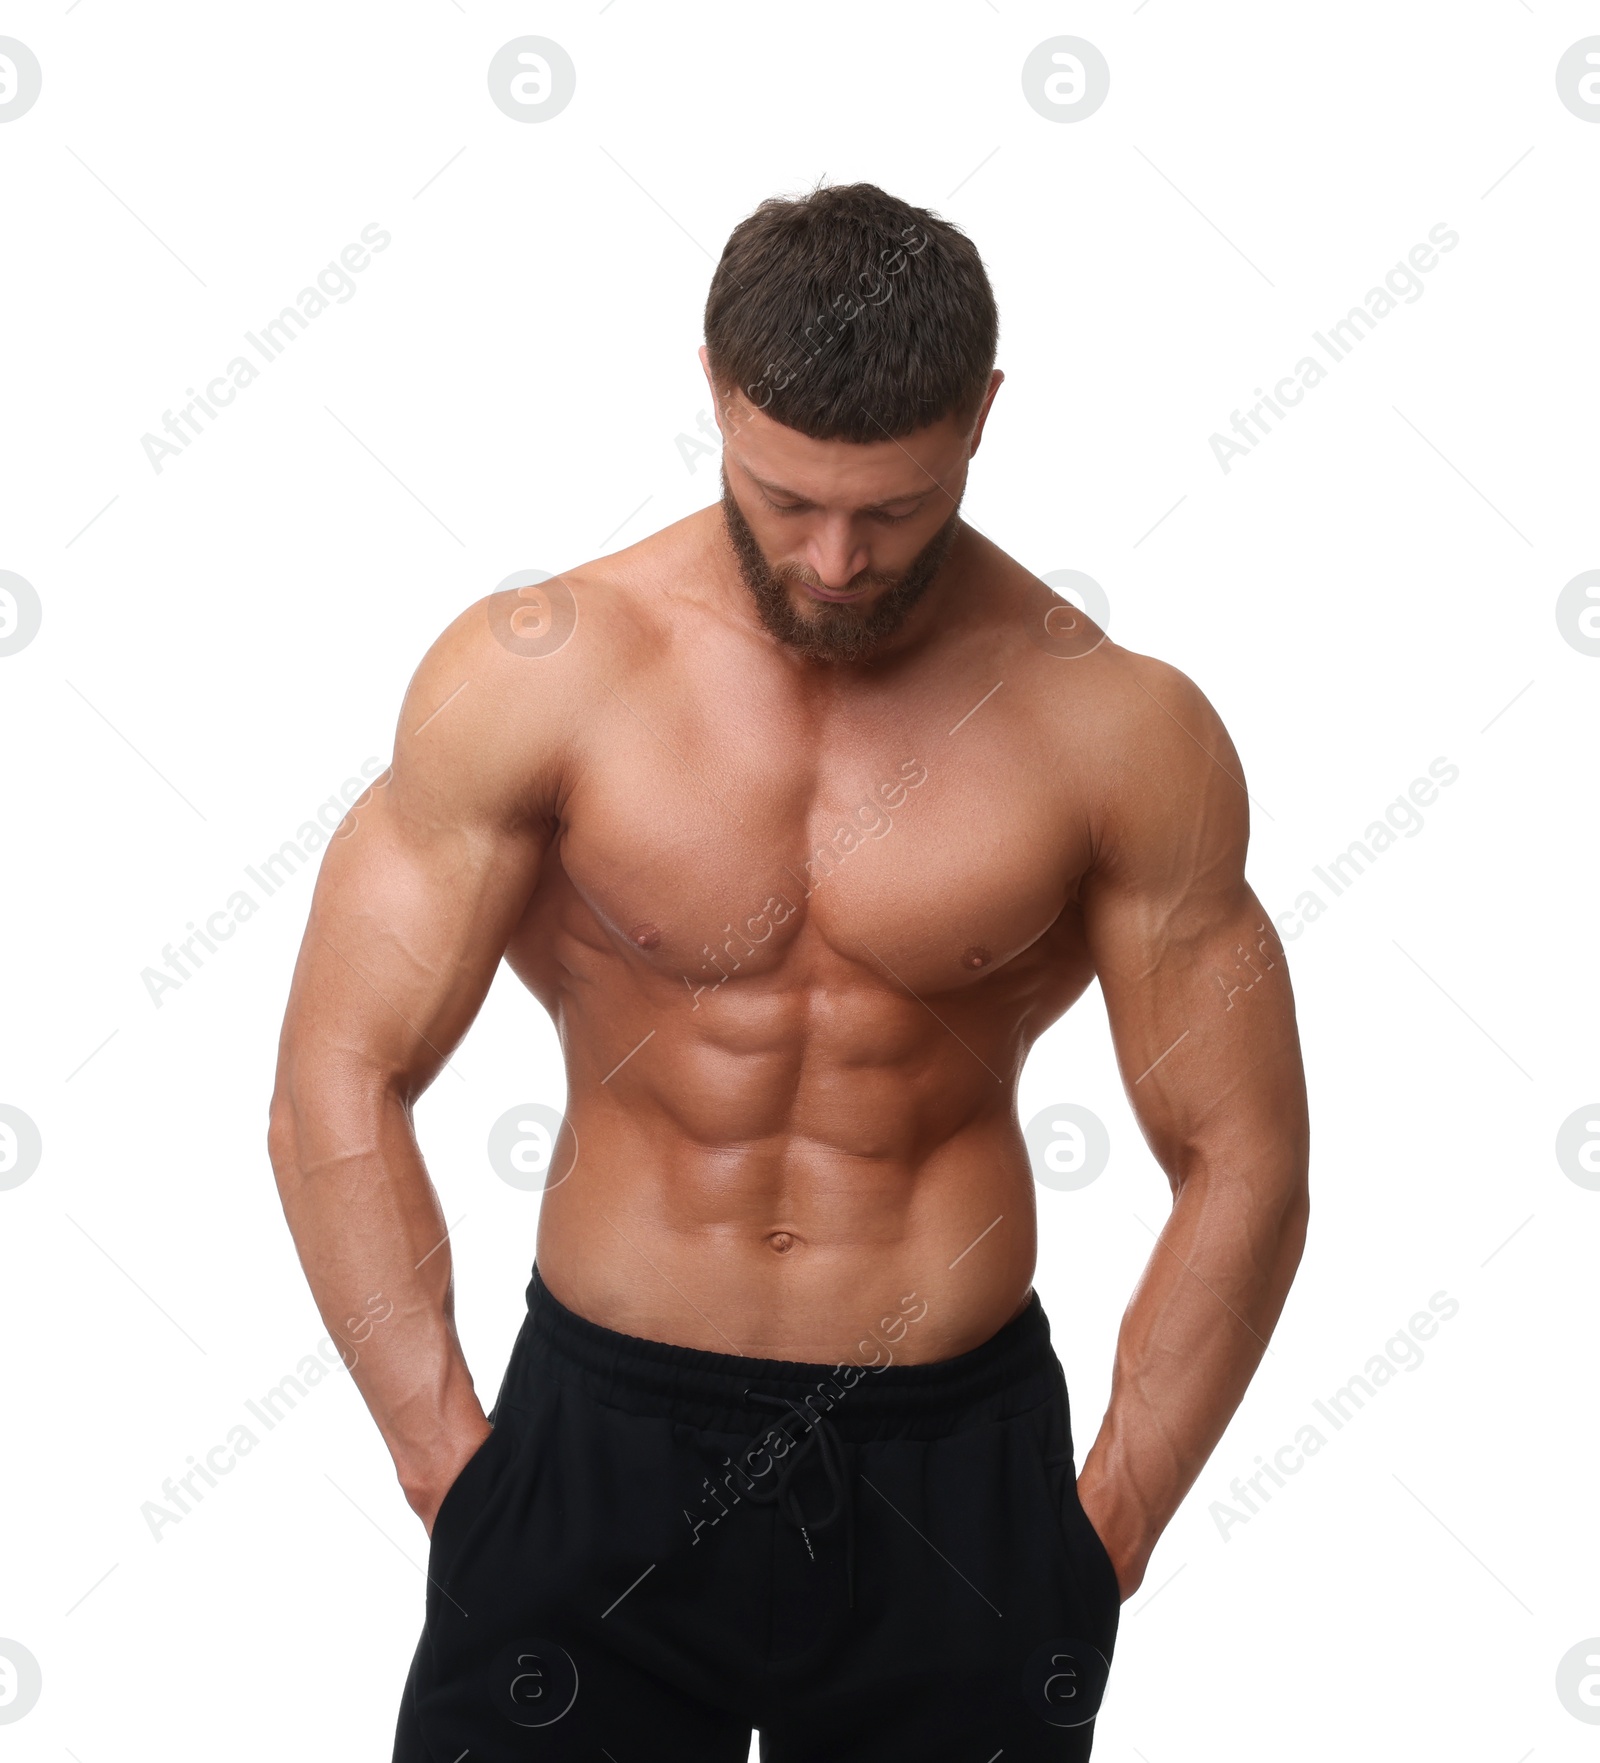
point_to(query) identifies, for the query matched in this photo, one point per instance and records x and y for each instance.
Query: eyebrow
(868, 508)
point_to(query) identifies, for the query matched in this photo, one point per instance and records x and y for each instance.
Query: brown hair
(851, 315)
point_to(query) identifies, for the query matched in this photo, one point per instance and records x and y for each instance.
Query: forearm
(1190, 1342)
(373, 1243)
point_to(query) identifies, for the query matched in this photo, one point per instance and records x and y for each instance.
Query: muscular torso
(797, 941)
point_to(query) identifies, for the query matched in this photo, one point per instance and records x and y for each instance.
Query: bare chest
(706, 845)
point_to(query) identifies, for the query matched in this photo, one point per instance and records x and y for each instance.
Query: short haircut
(850, 315)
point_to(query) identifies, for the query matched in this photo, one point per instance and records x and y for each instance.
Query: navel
(976, 957)
(781, 1242)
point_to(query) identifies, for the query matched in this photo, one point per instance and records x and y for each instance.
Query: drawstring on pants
(822, 1438)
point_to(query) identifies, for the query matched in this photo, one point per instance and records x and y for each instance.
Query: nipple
(645, 936)
(976, 957)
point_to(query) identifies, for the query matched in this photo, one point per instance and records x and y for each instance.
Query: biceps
(1202, 1015)
(407, 926)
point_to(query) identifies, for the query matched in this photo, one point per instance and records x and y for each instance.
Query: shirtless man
(804, 818)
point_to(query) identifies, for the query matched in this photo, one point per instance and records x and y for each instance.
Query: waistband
(1013, 1371)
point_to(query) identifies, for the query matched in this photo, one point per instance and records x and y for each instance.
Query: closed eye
(801, 507)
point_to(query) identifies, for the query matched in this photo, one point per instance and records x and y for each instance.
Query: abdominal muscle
(808, 1174)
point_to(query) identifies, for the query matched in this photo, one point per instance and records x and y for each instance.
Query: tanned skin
(792, 1052)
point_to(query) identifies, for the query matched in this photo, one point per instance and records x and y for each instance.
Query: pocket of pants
(1091, 1560)
(464, 1499)
(1098, 1552)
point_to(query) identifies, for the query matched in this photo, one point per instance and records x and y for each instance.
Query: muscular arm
(417, 896)
(1202, 1018)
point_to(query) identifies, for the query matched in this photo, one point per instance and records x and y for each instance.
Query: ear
(705, 366)
(995, 378)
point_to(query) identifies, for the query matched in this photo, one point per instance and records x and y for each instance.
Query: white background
(225, 641)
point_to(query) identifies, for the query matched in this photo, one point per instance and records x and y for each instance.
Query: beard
(834, 632)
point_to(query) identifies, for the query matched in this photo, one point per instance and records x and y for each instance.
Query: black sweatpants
(659, 1549)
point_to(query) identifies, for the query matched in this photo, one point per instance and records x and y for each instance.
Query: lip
(830, 594)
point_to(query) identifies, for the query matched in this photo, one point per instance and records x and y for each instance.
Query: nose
(836, 555)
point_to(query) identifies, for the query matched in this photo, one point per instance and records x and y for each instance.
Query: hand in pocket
(1128, 1578)
(427, 1501)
